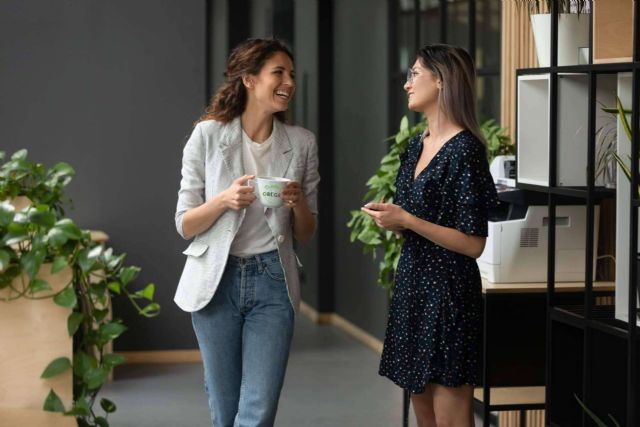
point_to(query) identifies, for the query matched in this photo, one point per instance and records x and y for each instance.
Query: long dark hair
(248, 57)
(454, 67)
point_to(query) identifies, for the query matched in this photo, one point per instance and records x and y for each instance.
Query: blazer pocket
(196, 249)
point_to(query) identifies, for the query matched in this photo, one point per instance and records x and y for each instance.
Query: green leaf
(57, 237)
(151, 310)
(53, 403)
(593, 416)
(86, 261)
(128, 274)
(95, 377)
(56, 367)
(80, 409)
(61, 173)
(31, 262)
(102, 422)
(38, 285)
(114, 287)
(147, 292)
(623, 119)
(42, 218)
(13, 237)
(20, 155)
(108, 406)
(110, 331)
(73, 322)
(7, 212)
(5, 259)
(113, 359)
(83, 363)
(615, 422)
(69, 229)
(99, 315)
(59, 263)
(67, 298)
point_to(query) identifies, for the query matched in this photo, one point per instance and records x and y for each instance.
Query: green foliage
(594, 417)
(621, 113)
(381, 187)
(498, 142)
(40, 235)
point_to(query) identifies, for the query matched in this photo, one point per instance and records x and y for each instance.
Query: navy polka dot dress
(435, 319)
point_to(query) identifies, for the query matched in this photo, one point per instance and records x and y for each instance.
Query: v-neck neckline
(426, 167)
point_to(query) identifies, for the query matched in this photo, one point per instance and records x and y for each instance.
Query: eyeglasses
(410, 75)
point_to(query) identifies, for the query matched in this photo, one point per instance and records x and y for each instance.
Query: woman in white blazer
(240, 281)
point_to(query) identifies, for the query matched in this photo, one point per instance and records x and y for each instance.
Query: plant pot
(573, 34)
(32, 334)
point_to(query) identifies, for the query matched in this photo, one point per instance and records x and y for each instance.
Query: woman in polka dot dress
(444, 191)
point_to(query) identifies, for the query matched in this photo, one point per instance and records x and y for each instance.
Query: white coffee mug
(269, 190)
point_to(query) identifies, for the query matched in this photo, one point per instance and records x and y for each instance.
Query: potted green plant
(573, 30)
(40, 239)
(381, 186)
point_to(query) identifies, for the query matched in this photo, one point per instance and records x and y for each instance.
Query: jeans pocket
(274, 271)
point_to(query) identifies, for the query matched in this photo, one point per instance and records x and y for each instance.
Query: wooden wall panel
(512, 418)
(518, 51)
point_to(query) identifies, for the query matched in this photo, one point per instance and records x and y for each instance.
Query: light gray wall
(306, 114)
(113, 88)
(360, 61)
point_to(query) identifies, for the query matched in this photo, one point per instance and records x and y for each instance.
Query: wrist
(220, 202)
(406, 219)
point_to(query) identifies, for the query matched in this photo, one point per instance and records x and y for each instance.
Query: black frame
(396, 78)
(587, 318)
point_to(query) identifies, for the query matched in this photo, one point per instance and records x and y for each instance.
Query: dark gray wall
(219, 43)
(360, 113)
(306, 114)
(112, 87)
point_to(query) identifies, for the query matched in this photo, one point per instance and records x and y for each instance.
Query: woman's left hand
(387, 215)
(292, 195)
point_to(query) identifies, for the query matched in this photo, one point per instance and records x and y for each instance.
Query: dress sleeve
(471, 189)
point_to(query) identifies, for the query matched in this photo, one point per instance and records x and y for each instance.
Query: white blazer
(212, 159)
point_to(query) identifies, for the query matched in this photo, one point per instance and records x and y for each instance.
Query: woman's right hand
(239, 195)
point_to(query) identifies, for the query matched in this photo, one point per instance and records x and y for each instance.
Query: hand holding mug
(239, 195)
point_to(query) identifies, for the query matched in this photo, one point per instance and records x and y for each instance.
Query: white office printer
(516, 248)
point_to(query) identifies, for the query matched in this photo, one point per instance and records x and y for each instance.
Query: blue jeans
(244, 335)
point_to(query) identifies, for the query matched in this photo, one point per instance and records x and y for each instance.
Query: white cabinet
(533, 121)
(623, 207)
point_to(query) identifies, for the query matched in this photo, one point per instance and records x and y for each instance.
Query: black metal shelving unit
(588, 350)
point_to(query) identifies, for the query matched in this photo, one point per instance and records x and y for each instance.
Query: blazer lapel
(281, 150)
(231, 148)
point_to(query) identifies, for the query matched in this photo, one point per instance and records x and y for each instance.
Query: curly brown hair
(248, 57)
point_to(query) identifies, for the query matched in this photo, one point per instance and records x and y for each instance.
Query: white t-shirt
(254, 235)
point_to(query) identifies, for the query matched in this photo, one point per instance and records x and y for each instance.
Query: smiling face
(273, 87)
(422, 88)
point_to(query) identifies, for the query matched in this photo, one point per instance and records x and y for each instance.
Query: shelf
(599, 193)
(582, 192)
(539, 288)
(533, 113)
(586, 68)
(503, 398)
(603, 319)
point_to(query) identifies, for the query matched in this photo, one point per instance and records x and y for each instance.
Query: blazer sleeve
(191, 193)
(311, 176)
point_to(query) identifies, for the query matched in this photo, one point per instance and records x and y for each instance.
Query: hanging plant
(40, 237)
